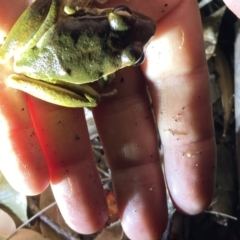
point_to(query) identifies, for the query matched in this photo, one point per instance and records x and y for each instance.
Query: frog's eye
(140, 60)
(121, 19)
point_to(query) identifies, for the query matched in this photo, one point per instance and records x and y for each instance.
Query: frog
(60, 51)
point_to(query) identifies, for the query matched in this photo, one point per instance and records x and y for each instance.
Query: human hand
(39, 143)
(234, 6)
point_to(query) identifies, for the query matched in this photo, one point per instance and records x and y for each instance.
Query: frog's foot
(105, 80)
(64, 94)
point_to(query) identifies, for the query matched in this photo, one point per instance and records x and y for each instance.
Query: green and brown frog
(58, 50)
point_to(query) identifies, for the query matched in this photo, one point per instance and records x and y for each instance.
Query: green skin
(66, 51)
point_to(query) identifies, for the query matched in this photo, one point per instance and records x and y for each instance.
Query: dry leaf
(114, 232)
(112, 206)
(46, 199)
(13, 202)
(226, 85)
(210, 31)
(27, 234)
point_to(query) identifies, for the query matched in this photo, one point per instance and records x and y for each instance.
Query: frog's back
(74, 49)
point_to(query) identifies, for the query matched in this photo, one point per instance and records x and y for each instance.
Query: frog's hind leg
(63, 95)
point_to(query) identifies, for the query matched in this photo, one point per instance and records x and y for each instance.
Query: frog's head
(130, 31)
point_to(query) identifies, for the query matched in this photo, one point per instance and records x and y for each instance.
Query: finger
(234, 6)
(73, 194)
(74, 179)
(127, 131)
(128, 134)
(10, 12)
(21, 158)
(178, 81)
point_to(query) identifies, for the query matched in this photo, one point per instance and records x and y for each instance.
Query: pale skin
(43, 143)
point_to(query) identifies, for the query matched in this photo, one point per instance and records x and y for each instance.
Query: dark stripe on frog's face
(80, 28)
